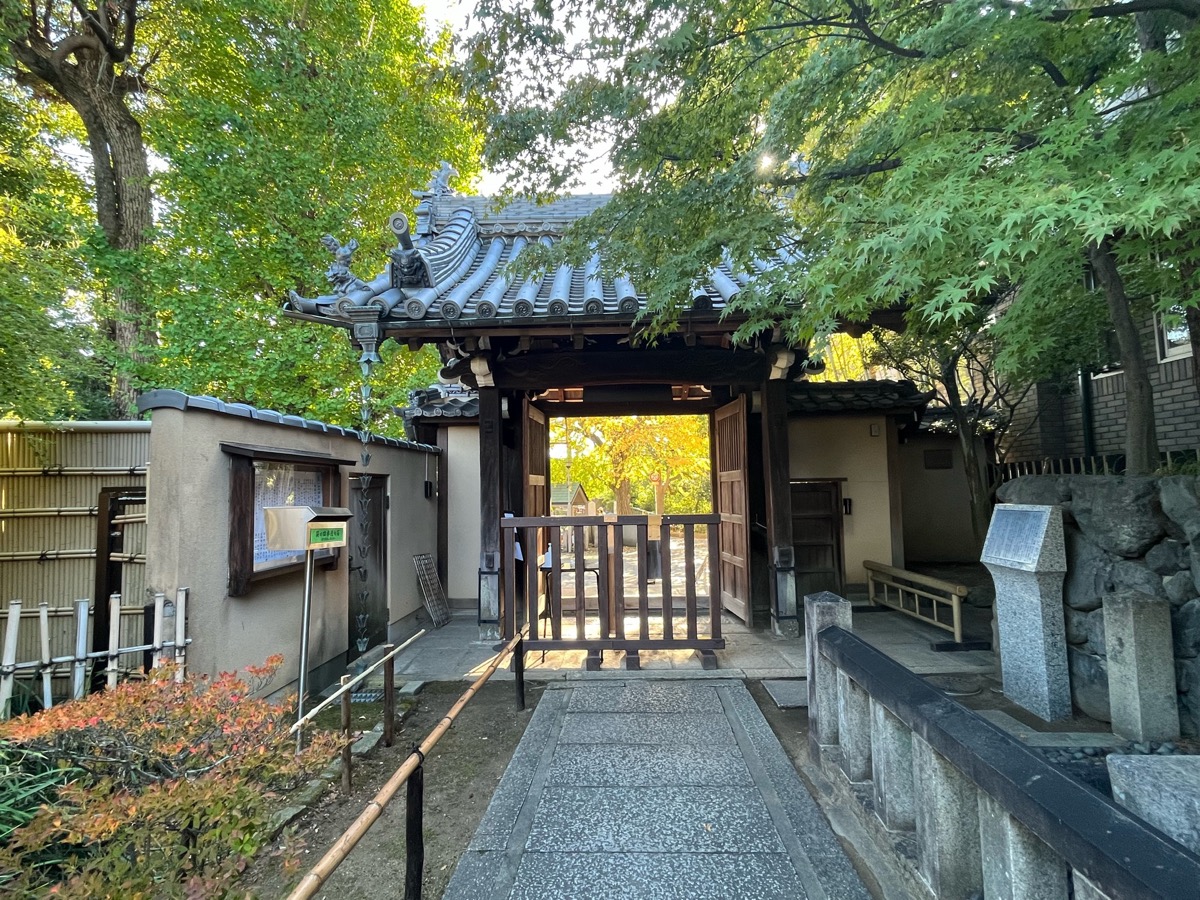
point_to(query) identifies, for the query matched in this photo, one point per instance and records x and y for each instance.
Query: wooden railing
(922, 597)
(597, 600)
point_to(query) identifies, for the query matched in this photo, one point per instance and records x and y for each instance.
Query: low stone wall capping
(1128, 538)
(987, 813)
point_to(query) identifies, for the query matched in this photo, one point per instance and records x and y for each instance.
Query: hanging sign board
(326, 535)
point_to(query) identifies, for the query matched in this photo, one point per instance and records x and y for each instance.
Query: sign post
(307, 528)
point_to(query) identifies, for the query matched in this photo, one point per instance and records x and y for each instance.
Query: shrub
(170, 792)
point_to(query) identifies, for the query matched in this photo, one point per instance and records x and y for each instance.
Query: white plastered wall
(463, 515)
(188, 542)
(853, 449)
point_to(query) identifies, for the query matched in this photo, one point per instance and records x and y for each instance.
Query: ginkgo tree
(620, 459)
(935, 156)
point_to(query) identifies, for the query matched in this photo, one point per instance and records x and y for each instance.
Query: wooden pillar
(777, 486)
(490, 509)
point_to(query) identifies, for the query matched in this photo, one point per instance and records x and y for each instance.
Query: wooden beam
(696, 365)
(777, 486)
(490, 449)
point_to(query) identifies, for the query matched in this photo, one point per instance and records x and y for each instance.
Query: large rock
(1076, 622)
(1194, 553)
(1131, 575)
(1187, 680)
(1167, 557)
(1089, 684)
(1180, 500)
(1180, 588)
(1095, 632)
(1121, 515)
(1185, 629)
(1034, 490)
(1089, 571)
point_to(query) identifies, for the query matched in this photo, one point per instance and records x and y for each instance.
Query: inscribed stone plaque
(1026, 555)
(1016, 536)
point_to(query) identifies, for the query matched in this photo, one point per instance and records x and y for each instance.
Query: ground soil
(461, 774)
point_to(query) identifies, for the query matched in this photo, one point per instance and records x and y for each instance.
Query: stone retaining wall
(1123, 534)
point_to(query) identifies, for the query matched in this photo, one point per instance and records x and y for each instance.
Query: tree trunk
(624, 506)
(978, 486)
(124, 207)
(1141, 439)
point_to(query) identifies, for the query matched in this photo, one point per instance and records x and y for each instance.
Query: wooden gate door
(368, 624)
(817, 536)
(729, 461)
(536, 466)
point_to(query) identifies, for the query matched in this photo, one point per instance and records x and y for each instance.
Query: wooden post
(389, 696)
(347, 756)
(779, 508)
(7, 673)
(519, 672)
(181, 597)
(160, 604)
(44, 633)
(490, 449)
(414, 840)
(114, 639)
(79, 675)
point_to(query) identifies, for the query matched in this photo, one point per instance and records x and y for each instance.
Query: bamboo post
(160, 603)
(9, 658)
(181, 597)
(79, 674)
(44, 633)
(114, 638)
(414, 839)
(389, 697)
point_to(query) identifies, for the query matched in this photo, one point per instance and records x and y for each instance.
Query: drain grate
(372, 695)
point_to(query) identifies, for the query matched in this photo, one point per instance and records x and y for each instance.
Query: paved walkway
(652, 790)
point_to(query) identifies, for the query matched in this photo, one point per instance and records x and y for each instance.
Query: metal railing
(911, 597)
(411, 774)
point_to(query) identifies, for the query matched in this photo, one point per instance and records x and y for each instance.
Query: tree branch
(73, 44)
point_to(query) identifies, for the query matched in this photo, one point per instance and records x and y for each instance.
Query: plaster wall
(845, 448)
(463, 515)
(937, 503)
(188, 533)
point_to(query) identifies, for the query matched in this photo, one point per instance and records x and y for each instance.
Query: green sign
(327, 535)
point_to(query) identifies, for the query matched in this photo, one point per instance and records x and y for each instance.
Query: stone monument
(1026, 555)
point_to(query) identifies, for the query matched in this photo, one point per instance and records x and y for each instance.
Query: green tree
(218, 142)
(617, 459)
(932, 156)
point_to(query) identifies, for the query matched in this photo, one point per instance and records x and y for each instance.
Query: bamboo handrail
(341, 848)
(957, 590)
(349, 685)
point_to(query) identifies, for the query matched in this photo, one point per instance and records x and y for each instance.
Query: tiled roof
(453, 268)
(166, 399)
(855, 396)
(563, 493)
(441, 400)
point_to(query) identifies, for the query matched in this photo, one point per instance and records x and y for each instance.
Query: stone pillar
(1141, 666)
(1163, 790)
(1027, 558)
(1084, 889)
(892, 769)
(947, 825)
(854, 728)
(822, 611)
(1016, 864)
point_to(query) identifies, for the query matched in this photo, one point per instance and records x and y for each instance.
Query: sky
(597, 179)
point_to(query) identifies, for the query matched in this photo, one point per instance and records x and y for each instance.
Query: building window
(1171, 332)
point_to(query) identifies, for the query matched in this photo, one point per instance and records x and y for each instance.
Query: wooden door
(536, 466)
(729, 463)
(368, 609)
(817, 536)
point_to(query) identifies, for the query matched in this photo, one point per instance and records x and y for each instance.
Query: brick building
(1086, 417)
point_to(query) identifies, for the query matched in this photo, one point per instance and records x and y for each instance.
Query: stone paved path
(663, 790)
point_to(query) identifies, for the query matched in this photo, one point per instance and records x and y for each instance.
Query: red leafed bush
(170, 792)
